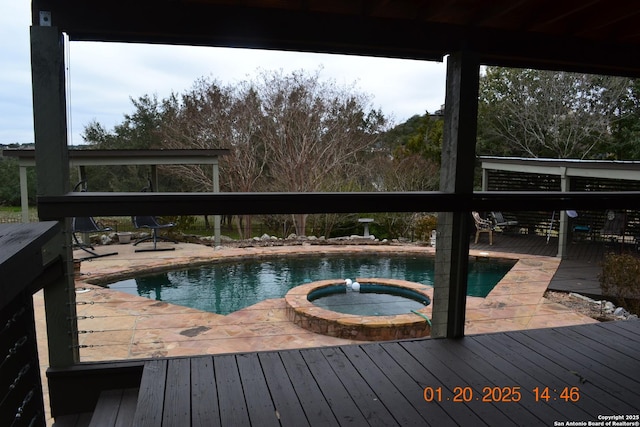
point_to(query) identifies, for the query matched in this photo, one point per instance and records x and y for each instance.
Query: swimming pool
(227, 286)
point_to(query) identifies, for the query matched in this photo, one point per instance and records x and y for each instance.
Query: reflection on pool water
(228, 286)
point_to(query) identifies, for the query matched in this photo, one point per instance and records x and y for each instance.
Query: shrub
(620, 279)
(183, 223)
(424, 225)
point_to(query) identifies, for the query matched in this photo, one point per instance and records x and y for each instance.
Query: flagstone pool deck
(116, 325)
(127, 326)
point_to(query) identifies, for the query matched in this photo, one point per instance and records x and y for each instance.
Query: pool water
(225, 287)
(371, 300)
(368, 304)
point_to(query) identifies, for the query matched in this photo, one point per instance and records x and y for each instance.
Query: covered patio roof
(597, 36)
(608, 169)
(566, 170)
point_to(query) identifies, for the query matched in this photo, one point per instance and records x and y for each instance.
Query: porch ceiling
(596, 36)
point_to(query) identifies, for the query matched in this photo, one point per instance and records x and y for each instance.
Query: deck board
(261, 411)
(542, 373)
(151, 396)
(501, 372)
(382, 384)
(599, 351)
(407, 385)
(177, 406)
(629, 346)
(450, 376)
(338, 397)
(631, 331)
(574, 370)
(74, 420)
(393, 399)
(374, 411)
(594, 377)
(288, 408)
(315, 406)
(460, 414)
(231, 401)
(104, 413)
(127, 409)
(204, 394)
(486, 378)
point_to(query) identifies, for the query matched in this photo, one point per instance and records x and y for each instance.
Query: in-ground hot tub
(415, 323)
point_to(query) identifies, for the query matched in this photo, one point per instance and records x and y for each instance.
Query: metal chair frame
(152, 223)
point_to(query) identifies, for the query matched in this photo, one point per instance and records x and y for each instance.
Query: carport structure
(594, 36)
(517, 174)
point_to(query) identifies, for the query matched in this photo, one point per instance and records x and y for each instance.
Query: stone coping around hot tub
(307, 315)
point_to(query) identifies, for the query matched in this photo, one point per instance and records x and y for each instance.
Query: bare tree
(212, 116)
(310, 129)
(285, 133)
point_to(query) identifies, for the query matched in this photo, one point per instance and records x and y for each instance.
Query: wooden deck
(585, 250)
(579, 269)
(384, 384)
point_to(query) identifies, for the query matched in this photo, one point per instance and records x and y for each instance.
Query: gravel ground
(580, 305)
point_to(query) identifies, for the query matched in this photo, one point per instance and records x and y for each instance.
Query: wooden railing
(104, 204)
(24, 269)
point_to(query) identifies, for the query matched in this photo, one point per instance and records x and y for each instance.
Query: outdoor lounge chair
(87, 225)
(152, 223)
(500, 221)
(483, 226)
(580, 231)
(614, 223)
(613, 230)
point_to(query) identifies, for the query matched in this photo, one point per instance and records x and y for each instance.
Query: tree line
(297, 132)
(285, 133)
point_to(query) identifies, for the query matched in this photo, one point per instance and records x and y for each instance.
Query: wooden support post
(216, 218)
(24, 194)
(563, 228)
(485, 180)
(155, 183)
(456, 176)
(52, 168)
(82, 174)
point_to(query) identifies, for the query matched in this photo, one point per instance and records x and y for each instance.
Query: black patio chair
(152, 223)
(87, 226)
(614, 229)
(500, 221)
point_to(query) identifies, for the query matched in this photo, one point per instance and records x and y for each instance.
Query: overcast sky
(103, 77)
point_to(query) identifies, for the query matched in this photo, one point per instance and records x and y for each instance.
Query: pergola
(597, 36)
(565, 170)
(152, 158)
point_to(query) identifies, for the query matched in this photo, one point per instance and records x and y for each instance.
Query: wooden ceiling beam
(496, 40)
